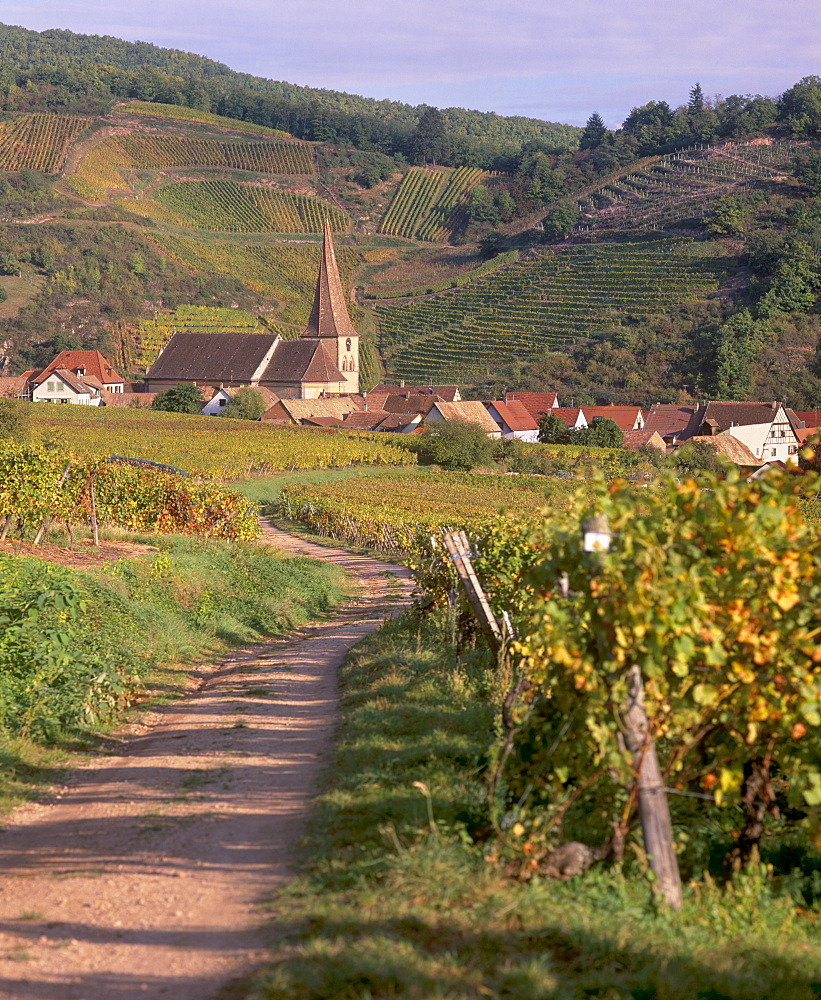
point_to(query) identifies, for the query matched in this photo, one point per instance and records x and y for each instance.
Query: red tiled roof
(127, 400)
(670, 419)
(627, 418)
(515, 415)
(729, 447)
(92, 361)
(536, 403)
(810, 418)
(569, 414)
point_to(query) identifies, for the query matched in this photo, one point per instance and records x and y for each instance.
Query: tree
(430, 140)
(247, 404)
(808, 171)
(482, 208)
(738, 344)
(182, 398)
(726, 218)
(696, 458)
(696, 103)
(602, 433)
(459, 446)
(491, 244)
(552, 429)
(594, 132)
(561, 219)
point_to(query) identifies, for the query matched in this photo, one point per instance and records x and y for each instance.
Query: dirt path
(140, 877)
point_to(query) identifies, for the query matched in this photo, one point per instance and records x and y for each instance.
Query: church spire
(329, 316)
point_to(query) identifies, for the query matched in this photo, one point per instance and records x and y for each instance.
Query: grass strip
(396, 900)
(81, 646)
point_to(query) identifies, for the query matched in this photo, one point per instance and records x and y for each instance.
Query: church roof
(212, 357)
(301, 360)
(329, 316)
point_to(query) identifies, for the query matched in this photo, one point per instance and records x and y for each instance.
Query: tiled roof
(810, 418)
(728, 414)
(446, 392)
(515, 415)
(569, 414)
(409, 403)
(627, 418)
(303, 409)
(470, 412)
(92, 361)
(212, 357)
(329, 315)
(536, 403)
(127, 400)
(730, 447)
(73, 381)
(301, 361)
(633, 440)
(12, 385)
(670, 419)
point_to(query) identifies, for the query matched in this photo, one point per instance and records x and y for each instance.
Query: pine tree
(696, 103)
(594, 132)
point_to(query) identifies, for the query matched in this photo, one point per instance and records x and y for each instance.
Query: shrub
(459, 446)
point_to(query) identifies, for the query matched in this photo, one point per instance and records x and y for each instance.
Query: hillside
(659, 274)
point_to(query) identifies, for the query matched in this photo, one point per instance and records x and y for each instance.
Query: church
(323, 361)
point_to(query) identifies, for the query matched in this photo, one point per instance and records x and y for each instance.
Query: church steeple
(329, 316)
(329, 320)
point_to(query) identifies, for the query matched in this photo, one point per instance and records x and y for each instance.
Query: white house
(514, 420)
(62, 386)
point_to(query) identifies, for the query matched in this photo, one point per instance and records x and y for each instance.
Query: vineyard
(286, 272)
(547, 301)
(209, 447)
(399, 516)
(159, 152)
(38, 141)
(430, 204)
(681, 186)
(38, 484)
(226, 206)
(154, 333)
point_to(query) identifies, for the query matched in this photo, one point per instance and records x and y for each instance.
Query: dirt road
(140, 877)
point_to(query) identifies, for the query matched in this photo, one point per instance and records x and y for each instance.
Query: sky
(558, 60)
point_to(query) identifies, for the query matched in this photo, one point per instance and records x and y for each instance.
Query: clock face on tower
(348, 344)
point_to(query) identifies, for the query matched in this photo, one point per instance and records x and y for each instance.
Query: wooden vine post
(458, 546)
(654, 811)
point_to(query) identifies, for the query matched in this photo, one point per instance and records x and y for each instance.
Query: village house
(768, 430)
(514, 420)
(466, 411)
(626, 418)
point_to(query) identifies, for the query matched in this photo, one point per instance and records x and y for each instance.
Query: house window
(58, 386)
(222, 402)
(49, 387)
(772, 452)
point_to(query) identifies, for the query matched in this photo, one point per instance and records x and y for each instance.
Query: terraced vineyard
(158, 152)
(547, 301)
(154, 333)
(430, 204)
(38, 141)
(226, 206)
(682, 186)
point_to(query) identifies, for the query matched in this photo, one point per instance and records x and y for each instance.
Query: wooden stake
(94, 531)
(458, 546)
(654, 810)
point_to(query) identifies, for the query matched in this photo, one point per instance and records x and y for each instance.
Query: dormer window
(80, 371)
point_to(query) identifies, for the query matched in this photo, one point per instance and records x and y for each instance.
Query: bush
(247, 404)
(459, 446)
(14, 419)
(183, 398)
